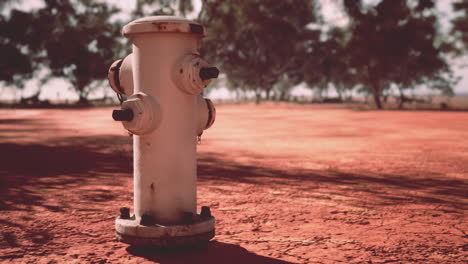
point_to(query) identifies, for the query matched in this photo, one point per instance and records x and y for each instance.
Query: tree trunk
(258, 96)
(350, 96)
(282, 96)
(376, 93)
(339, 91)
(83, 100)
(373, 79)
(268, 93)
(238, 95)
(402, 98)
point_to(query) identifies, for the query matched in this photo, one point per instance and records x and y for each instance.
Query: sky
(59, 89)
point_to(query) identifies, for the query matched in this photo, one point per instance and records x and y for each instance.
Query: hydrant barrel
(163, 79)
(165, 159)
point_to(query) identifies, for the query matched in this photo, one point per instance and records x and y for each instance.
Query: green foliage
(266, 46)
(395, 42)
(16, 65)
(460, 25)
(327, 62)
(75, 41)
(162, 7)
(256, 42)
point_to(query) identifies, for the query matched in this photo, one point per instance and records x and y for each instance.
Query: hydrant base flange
(165, 236)
(167, 242)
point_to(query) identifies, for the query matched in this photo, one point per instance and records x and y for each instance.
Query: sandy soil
(286, 183)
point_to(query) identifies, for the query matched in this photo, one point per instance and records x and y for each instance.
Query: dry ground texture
(286, 183)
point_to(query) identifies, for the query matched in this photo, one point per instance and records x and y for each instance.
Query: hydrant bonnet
(163, 24)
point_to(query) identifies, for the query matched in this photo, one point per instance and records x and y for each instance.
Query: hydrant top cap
(163, 24)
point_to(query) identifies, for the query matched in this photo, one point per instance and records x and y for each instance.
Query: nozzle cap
(122, 115)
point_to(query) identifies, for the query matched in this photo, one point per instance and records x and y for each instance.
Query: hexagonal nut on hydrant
(146, 114)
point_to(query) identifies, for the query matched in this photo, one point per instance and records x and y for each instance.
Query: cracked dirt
(287, 184)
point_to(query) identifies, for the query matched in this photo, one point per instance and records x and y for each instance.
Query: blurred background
(383, 53)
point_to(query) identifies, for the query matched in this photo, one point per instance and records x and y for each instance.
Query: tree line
(262, 46)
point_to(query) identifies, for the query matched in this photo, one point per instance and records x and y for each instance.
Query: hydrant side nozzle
(122, 115)
(211, 113)
(120, 76)
(113, 76)
(209, 73)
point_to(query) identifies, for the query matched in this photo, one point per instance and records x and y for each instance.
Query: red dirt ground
(286, 183)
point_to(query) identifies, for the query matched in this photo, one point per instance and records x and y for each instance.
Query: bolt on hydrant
(163, 79)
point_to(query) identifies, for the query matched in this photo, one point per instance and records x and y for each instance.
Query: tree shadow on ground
(83, 161)
(213, 253)
(33, 173)
(416, 187)
(71, 163)
(77, 161)
(363, 108)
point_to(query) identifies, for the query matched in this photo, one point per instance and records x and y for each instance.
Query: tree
(460, 25)
(162, 7)
(257, 42)
(75, 41)
(327, 63)
(424, 60)
(16, 65)
(396, 42)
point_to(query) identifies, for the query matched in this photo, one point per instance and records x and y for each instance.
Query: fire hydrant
(163, 79)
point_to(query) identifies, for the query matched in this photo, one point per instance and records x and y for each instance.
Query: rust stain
(161, 25)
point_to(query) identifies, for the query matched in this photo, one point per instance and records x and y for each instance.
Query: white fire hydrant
(163, 79)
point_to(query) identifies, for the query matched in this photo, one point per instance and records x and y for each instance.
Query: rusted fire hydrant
(163, 79)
